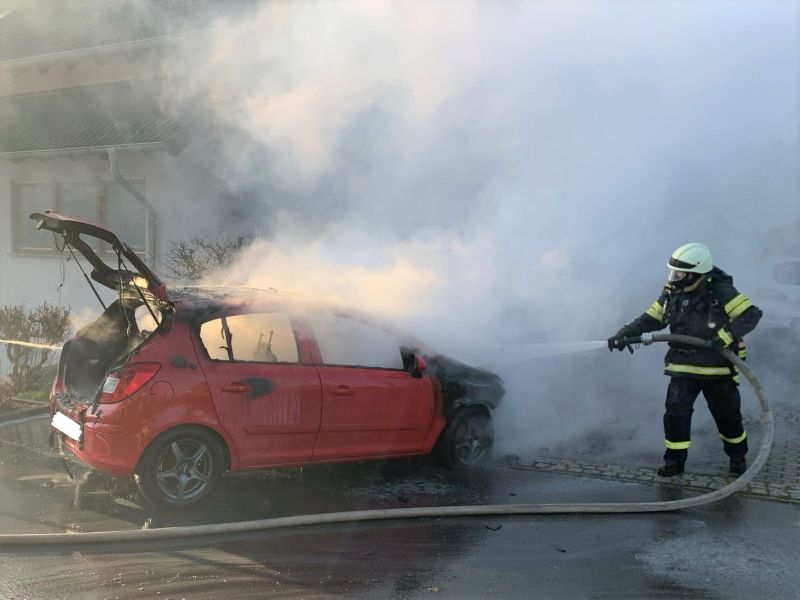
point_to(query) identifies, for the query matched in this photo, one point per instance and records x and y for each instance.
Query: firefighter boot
(738, 465)
(670, 469)
(673, 462)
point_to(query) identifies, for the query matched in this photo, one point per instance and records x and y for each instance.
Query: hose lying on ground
(443, 511)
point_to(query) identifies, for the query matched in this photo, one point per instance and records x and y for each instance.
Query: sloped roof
(40, 27)
(35, 27)
(94, 116)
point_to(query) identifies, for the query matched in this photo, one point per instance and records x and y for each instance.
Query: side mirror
(418, 366)
(787, 272)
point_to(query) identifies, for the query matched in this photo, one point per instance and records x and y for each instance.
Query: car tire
(180, 468)
(468, 438)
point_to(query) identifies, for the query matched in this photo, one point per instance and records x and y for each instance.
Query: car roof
(225, 294)
(208, 301)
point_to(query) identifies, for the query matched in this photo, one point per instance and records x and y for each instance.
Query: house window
(27, 199)
(104, 202)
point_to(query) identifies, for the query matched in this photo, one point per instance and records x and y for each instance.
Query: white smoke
(500, 173)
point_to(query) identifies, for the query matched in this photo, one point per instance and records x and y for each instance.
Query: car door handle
(237, 387)
(342, 390)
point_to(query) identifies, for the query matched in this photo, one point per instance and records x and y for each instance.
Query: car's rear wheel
(469, 438)
(180, 468)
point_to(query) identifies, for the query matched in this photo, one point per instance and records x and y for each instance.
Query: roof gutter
(150, 220)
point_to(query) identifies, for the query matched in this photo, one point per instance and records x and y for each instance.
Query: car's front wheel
(469, 438)
(180, 468)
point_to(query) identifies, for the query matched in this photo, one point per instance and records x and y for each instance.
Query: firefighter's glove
(617, 342)
(722, 339)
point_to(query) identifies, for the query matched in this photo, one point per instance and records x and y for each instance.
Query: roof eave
(54, 152)
(78, 53)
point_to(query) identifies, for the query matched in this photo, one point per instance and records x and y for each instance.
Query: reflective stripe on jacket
(712, 309)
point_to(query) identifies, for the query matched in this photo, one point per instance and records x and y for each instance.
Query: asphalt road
(739, 548)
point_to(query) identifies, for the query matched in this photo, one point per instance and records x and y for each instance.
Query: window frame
(55, 188)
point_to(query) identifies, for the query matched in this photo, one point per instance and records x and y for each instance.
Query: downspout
(150, 220)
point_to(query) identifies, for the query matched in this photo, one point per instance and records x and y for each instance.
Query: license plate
(67, 426)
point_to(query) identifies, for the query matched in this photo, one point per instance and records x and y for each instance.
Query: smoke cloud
(494, 174)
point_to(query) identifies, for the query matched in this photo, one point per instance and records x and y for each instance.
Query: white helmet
(690, 258)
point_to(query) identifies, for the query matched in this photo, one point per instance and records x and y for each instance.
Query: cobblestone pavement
(707, 470)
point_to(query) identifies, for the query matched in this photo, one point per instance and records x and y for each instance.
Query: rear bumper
(109, 448)
(110, 453)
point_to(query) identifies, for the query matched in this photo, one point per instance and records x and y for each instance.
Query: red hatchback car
(174, 387)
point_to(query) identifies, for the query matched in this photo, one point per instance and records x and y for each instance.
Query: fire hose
(494, 510)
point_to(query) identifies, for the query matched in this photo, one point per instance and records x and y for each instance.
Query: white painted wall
(185, 196)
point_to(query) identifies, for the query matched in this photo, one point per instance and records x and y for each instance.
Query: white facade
(178, 189)
(41, 173)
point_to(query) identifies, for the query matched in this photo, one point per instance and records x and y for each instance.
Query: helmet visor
(675, 276)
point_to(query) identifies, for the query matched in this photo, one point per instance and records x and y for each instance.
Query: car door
(265, 399)
(371, 405)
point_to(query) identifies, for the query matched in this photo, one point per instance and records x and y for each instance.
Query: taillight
(127, 380)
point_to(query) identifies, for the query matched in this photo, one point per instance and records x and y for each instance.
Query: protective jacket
(712, 310)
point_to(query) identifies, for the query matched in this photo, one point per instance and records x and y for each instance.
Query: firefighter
(698, 300)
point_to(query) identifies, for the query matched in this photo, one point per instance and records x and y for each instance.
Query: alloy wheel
(184, 469)
(473, 439)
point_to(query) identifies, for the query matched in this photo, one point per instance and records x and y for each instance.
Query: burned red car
(176, 386)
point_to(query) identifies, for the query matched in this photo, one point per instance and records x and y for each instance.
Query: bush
(38, 395)
(32, 369)
(5, 390)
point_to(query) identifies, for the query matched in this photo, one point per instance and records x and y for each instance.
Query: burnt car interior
(251, 337)
(102, 344)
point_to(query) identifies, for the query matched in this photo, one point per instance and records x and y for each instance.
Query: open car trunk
(124, 324)
(128, 276)
(100, 346)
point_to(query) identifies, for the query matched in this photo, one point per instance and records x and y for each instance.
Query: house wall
(184, 194)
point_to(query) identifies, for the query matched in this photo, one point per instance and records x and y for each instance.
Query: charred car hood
(135, 277)
(464, 384)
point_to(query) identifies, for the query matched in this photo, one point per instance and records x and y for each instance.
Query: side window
(253, 337)
(350, 342)
(144, 319)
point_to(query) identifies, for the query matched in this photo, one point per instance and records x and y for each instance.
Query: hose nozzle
(630, 342)
(645, 338)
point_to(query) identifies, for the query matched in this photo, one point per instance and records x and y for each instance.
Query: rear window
(350, 342)
(253, 337)
(144, 319)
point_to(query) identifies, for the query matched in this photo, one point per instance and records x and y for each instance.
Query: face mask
(676, 276)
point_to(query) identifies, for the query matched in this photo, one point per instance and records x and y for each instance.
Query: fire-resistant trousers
(724, 401)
